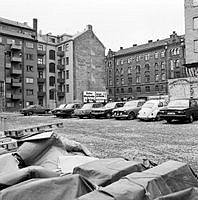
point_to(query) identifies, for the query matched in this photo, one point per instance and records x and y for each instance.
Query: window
(137, 58)
(121, 71)
(52, 68)
(29, 45)
(10, 41)
(156, 55)
(147, 67)
(177, 74)
(52, 40)
(178, 51)
(110, 73)
(121, 61)
(196, 46)
(29, 80)
(163, 65)
(40, 61)
(172, 65)
(110, 82)
(117, 62)
(157, 77)
(129, 90)
(40, 88)
(117, 81)
(110, 91)
(29, 92)
(60, 48)
(67, 88)
(156, 66)
(138, 79)
(67, 74)
(157, 88)
(130, 70)
(40, 47)
(51, 80)
(162, 54)
(67, 61)
(122, 90)
(129, 60)
(51, 94)
(52, 55)
(1, 40)
(29, 68)
(146, 56)
(163, 77)
(66, 47)
(117, 71)
(40, 74)
(138, 69)
(29, 56)
(122, 81)
(147, 78)
(177, 63)
(195, 2)
(117, 90)
(138, 89)
(129, 80)
(147, 89)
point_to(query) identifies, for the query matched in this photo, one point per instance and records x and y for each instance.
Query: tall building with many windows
(191, 34)
(143, 71)
(47, 69)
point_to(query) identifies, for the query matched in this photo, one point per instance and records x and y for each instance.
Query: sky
(117, 23)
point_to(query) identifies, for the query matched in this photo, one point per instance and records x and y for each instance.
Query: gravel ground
(133, 139)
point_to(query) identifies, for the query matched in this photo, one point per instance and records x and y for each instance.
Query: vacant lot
(129, 139)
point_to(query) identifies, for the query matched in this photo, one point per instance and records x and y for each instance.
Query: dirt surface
(133, 139)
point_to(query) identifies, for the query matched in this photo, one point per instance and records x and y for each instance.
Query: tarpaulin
(66, 187)
(169, 177)
(187, 194)
(103, 172)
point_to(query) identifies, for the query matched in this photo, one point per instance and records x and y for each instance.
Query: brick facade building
(143, 71)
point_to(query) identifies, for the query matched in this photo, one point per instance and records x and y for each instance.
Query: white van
(150, 109)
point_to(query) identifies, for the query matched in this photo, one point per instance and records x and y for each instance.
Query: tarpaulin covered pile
(167, 178)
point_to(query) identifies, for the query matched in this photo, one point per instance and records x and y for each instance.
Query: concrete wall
(89, 67)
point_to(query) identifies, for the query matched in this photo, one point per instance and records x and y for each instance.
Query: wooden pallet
(27, 132)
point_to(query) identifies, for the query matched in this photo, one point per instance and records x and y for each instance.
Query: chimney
(134, 45)
(35, 24)
(149, 41)
(89, 27)
(121, 48)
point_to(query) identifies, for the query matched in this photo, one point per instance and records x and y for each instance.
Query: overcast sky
(117, 23)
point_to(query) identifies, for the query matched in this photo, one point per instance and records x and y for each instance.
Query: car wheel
(190, 119)
(157, 118)
(46, 112)
(30, 113)
(131, 116)
(108, 115)
(169, 121)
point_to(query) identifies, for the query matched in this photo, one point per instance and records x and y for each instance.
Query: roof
(14, 23)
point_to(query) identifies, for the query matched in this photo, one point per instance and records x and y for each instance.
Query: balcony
(8, 65)
(41, 52)
(61, 67)
(61, 80)
(16, 83)
(17, 96)
(60, 94)
(60, 53)
(16, 71)
(8, 79)
(41, 80)
(16, 59)
(16, 47)
(41, 66)
(8, 94)
(41, 93)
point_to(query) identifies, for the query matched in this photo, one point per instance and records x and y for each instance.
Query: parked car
(106, 111)
(180, 109)
(86, 109)
(129, 110)
(151, 108)
(61, 106)
(68, 111)
(34, 109)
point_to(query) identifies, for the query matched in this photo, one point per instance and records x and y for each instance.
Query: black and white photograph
(99, 100)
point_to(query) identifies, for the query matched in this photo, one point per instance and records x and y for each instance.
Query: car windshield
(87, 106)
(32, 106)
(61, 106)
(69, 106)
(179, 103)
(131, 104)
(110, 105)
(148, 105)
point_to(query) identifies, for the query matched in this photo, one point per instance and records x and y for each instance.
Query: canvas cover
(103, 172)
(167, 178)
(187, 194)
(66, 187)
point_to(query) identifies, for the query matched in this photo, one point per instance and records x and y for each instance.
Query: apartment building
(191, 35)
(47, 69)
(142, 71)
(19, 58)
